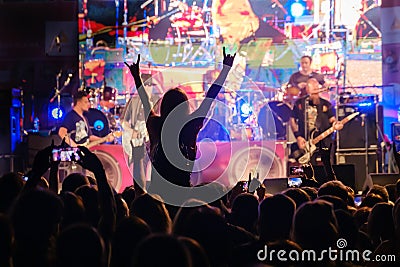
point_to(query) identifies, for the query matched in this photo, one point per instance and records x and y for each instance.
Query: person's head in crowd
(6, 240)
(361, 216)
(207, 226)
(36, 217)
(379, 190)
(80, 245)
(10, 186)
(276, 217)
(215, 189)
(129, 194)
(396, 218)
(183, 214)
(391, 189)
(312, 192)
(315, 225)
(168, 248)
(175, 100)
(197, 254)
(397, 189)
(130, 231)
(347, 227)
(244, 212)
(74, 210)
(122, 207)
(380, 223)
(90, 198)
(371, 199)
(152, 210)
(337, 202)
(73, 181)
(334, 188)
(298, 195)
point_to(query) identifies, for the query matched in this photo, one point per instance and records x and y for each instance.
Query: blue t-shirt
(77, 127)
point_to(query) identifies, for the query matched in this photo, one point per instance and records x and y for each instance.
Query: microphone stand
(58, 93)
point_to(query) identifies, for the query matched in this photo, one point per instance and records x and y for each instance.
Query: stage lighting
(297, 9)
(57, 113)
(245, 111)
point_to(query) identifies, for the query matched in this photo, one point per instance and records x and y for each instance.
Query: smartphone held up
(65, 154)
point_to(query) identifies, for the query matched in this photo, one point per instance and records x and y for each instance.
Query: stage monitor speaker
(10, 130)
(275, 185)
(358, 159)
(37, 142)
(344, 173)
(381, 179)
(355, 132)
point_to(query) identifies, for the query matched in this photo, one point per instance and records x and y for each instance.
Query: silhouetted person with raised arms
(174, 132)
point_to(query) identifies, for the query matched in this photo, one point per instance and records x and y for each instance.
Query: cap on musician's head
(147, 79)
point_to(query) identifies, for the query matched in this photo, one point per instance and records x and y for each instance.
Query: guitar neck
(97, 142)
(330, 130)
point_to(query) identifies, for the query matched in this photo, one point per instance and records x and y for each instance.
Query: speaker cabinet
(384, 178)
(10, 130)
(115, 164)
(230, 162)
(361, 168)
(362, 129)
(37, 142)
(344, 173)
(275, 185)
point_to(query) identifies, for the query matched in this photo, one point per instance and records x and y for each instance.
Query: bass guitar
(311, 144)
(97, 142)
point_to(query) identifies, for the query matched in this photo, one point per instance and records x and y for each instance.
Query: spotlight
(297, 9)
(57, 113)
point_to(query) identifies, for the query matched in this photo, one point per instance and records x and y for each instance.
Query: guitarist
(135, 134)
(75, 127)
(312, 115)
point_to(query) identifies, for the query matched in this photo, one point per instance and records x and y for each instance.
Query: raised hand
(89, 160)
(134, 67)
(228, 59)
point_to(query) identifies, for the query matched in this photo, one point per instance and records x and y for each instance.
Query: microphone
(68, 80)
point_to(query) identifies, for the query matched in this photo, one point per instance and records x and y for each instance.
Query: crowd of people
(86, 223)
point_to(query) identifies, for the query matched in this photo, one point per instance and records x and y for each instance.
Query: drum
(107, 97)
(273, 119)
(98, 122)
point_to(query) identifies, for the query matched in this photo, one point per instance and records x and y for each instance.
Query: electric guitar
(128, 142)
(89, 144)
(311, 144)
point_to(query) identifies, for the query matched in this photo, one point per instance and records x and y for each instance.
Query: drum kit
(252, 116)
(103, 115)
